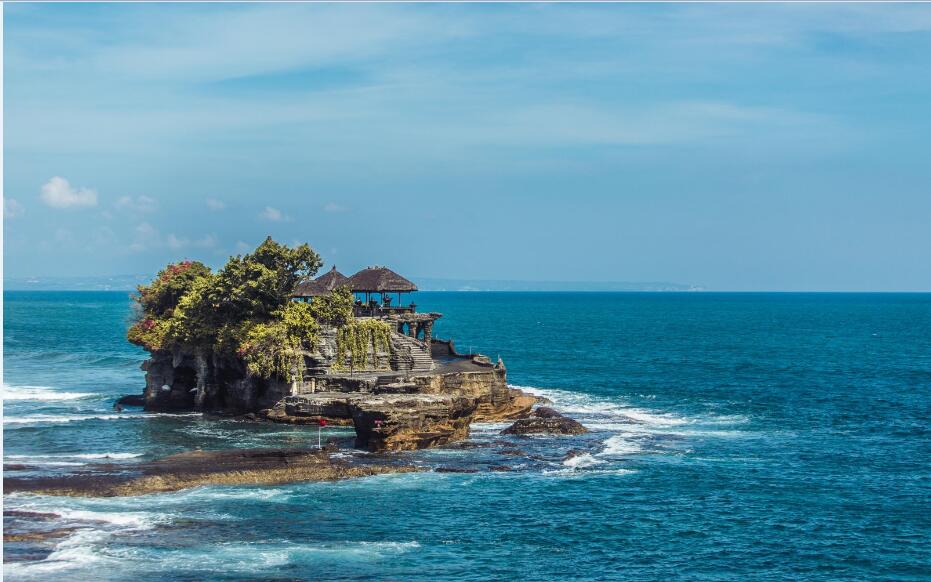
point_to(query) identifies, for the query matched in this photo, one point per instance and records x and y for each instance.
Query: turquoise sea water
(734, 437)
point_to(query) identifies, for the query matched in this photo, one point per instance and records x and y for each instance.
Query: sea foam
(41, 459)
(65, 418)
(41, 393)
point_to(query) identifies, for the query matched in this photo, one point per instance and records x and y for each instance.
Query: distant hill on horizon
(436, 284)
(129, 283)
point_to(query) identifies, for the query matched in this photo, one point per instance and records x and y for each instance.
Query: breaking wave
(41, 393)
(582, 461)
(65, 418)
(85, 548)
(41, 459)
(632, 431)
(619, 446)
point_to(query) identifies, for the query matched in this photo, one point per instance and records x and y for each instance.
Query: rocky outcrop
(396, 422)
(205, 381)
(517, 405)
(131, 400)
(418, 397)
(414, 412)
(199, 468)
(545, 421)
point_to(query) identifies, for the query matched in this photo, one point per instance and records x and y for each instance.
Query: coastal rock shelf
(199, 468)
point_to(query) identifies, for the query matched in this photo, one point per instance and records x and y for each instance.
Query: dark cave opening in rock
(183, 388)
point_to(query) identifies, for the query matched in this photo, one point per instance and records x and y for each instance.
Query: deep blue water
(734, 437)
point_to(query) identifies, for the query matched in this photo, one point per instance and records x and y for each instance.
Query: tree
(245, 311)
(187, 305)
(171, 283)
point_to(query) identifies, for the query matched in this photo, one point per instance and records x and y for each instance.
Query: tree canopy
(245, 310)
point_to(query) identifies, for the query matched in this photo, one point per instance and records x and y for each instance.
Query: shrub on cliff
(354, 339)
(335, 308)
(171, 283)
(276, 348)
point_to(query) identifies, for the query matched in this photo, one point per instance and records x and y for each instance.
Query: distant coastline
(129, 283)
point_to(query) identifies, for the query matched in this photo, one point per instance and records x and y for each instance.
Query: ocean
(733, 437)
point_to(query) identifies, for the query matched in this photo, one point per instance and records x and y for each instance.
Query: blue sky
(738, 147)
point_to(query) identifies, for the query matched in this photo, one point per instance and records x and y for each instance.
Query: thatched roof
(379, 280)
(321, 285)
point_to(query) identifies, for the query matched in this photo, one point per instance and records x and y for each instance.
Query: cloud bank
(58, 193)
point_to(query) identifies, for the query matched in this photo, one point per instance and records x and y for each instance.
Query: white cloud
(139, 204)
(242, 247)
(214, 204)
(334, 207)
(175, 242)
(145, 237)
(273, 215)
(12, 208)
(58, 193)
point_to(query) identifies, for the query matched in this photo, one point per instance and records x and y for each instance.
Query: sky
(731, 146)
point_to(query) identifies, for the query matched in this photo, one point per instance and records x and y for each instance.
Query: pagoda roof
(321, 285)
(379, 280)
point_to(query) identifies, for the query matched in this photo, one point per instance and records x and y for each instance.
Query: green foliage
(277, 348)
(334, 309)
(245, 311)
(354, 339)
(187, 305)
(162, 295)
(149, 333)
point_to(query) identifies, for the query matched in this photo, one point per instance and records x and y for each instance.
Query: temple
(398, 385)
(375, 289)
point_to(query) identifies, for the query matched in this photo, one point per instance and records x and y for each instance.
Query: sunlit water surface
(733, 436)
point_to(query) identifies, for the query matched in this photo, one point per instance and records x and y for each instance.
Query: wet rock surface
(197, 468)
(412, 412)
(130, 400)
(546, 421)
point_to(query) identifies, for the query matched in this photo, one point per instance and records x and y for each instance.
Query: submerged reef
(199, 468)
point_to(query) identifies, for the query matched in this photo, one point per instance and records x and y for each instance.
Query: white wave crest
(123, 519)
(65, 418)
(85, 549)
(41, 393)
(619, 446)
(88, 456)
(634, 430)
(607, 414)
(582, 461)
(571, 472)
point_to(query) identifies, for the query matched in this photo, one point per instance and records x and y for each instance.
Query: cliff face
(203, 381)
(400, 401)
(206, 381)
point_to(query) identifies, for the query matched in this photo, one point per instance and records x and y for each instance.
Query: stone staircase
(410, 355)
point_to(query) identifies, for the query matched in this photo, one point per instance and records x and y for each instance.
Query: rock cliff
(429, 401)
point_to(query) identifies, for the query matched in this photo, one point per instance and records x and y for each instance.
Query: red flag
(322, 422)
